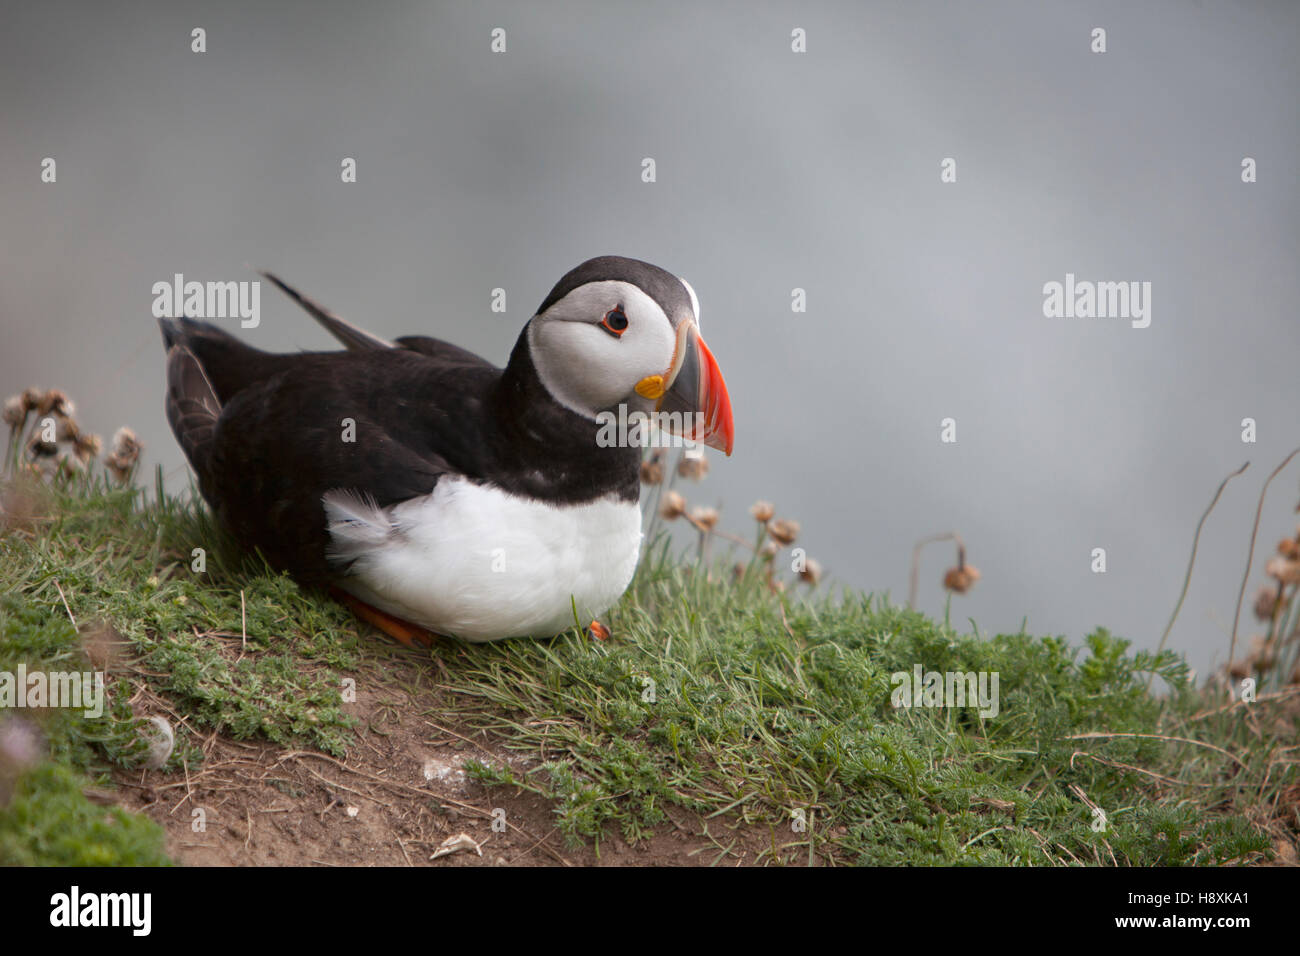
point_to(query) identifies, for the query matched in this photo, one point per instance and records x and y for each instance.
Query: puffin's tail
(192, 403)
(355, 339)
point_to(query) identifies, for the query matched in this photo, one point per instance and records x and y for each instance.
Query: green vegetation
(714, 699)
(48, 819)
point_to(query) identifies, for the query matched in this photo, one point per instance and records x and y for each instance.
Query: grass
(766, 717)
(49, 817)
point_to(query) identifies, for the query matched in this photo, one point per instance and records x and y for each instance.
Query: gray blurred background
(775, 170)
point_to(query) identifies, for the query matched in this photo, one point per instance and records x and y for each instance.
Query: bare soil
(399, 794)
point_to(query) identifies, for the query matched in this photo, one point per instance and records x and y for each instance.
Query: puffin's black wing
(269, 435)
(228, 364)
(443, 351)
(192, 404)
(317, 427)
(206, 368)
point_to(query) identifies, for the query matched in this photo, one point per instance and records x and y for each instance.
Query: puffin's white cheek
(584, 368)
(652, 350)
(605, 384)
(643, 355)
(623, 363)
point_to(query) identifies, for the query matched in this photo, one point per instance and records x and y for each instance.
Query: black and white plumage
(473, 501)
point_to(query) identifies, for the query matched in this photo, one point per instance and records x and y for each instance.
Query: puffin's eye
(615, 322)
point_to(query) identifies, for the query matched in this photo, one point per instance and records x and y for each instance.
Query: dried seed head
(652, 471)
(673, 507)
(88, 446)
(1239, 669)
(811, 573)
(739, 570)
(783, 530)
(127, 444)
(65, 429)
(56, 401)
(961, 579)
(768, 551)
(126, 452)
(704, 518)
(762, 511)
(693, 468)
(15, 411)
(1262, 655)
(1282, 569)
(1264, 662)
(1266, 602)
(1288, 548)
(37, 447)
(32, 398)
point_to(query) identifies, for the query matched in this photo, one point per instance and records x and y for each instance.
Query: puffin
(432, 492)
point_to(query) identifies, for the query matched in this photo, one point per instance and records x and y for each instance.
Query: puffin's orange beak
(693, 392)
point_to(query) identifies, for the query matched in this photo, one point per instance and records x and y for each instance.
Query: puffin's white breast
(478, 563)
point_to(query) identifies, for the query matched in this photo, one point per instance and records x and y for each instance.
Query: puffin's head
(617, 331)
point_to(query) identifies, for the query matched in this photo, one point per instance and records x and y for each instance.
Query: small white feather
(357, 525)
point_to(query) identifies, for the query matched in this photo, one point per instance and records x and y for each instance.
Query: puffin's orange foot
(599, 631)
(404, 631)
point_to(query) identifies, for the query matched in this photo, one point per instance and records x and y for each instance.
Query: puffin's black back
(267, 434)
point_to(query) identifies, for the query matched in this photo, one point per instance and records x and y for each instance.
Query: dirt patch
(399, 794)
